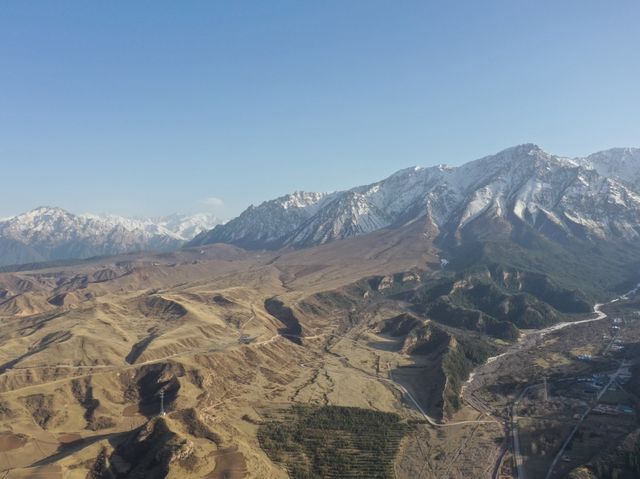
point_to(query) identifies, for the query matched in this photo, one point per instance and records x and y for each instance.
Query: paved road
(623, 364)
(600, 315)
(429, 419)
(403, 390)
(524, 343)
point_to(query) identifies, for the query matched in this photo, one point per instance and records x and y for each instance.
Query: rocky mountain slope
(585, 198)
(45, 234)
(618, 163)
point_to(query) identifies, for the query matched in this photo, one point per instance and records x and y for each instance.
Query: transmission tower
(162, 413)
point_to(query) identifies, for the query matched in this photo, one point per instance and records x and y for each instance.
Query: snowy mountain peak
(51, 210)
(547, 192)
(47, 233)
(186, 226)
(517, 156)
(623, 164)
(300, 199)
(42, 212)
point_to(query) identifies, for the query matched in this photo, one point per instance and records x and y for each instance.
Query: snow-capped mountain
(622, 164)
(186, 226)
(593, 197)
(268, 223)
(46, 233)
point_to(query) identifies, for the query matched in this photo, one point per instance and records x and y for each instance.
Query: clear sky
(151, 107)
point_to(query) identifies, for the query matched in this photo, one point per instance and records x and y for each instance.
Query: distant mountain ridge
(47, 233)
(593, 197)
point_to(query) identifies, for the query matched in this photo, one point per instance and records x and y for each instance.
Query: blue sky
(151, 107)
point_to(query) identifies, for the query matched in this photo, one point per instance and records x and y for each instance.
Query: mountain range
(595, 197)
(523, 188)
(51, 234)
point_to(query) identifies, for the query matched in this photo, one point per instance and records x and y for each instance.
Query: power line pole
(546, 391)
(162, 402)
